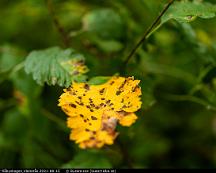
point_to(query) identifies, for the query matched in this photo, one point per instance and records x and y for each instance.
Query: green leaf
(98, 80)
(54, 66)
(88, 159)
(186, 11)
(105, 23)
(109, 45)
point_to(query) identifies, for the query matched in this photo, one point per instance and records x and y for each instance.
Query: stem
(148, 31)
(18, 67)
(59, 27)
(125, 154)
(55, 119)
(194, 99)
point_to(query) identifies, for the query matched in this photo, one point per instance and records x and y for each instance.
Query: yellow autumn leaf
(95, 110)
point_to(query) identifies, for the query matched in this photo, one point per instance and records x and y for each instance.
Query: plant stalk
(147, 32)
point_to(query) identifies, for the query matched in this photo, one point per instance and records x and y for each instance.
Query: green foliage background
(177, 67)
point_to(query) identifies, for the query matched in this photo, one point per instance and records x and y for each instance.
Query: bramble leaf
(55, 66)
(187, 11)
(96, 107)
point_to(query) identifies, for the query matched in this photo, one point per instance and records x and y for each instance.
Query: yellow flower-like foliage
(75, 66)
(95, 110)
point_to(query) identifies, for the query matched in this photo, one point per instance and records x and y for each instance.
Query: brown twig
(59, 27)
(153, 25)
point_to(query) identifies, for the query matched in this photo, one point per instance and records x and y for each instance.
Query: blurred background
(176, 127)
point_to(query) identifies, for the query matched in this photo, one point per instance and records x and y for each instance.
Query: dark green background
(176, 127)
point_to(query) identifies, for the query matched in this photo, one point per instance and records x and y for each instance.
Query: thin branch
(124, 151)
(59, 27)
(54, 118)
(190, 98)
(148, 31)
(18, 67)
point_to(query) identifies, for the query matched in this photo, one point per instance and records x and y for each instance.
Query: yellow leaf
(95, 110)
